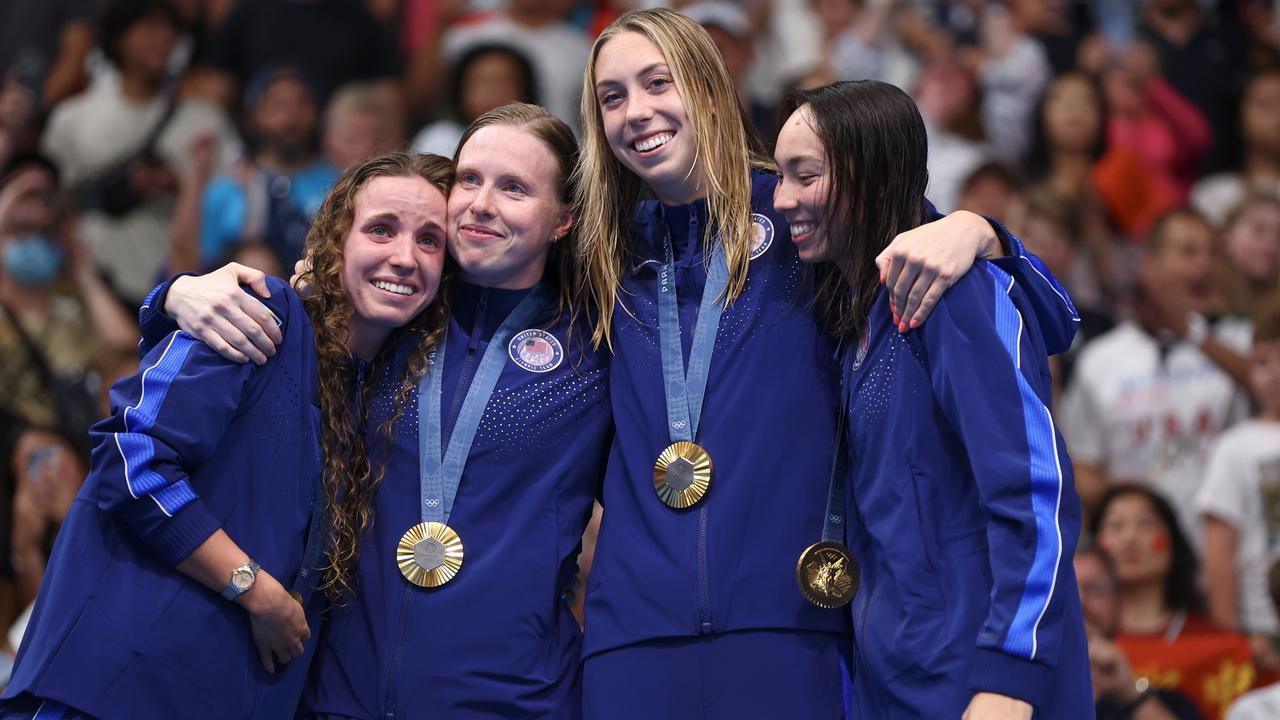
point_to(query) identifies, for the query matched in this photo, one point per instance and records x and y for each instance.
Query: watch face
(242, 578)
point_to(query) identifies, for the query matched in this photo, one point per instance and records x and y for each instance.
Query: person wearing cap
(271, 196)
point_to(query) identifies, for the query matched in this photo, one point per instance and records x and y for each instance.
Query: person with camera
(122, 143)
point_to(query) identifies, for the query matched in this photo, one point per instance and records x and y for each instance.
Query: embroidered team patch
(536, 350)
(761, 234)
(864, 343)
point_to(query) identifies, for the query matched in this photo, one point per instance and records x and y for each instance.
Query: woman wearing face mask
(500, 454)
(57, 317)
(723, 391)
(207, 483)
(962, 510)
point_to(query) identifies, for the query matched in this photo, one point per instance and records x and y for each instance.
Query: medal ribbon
(833, 524)
(440, 470)
(685, 390)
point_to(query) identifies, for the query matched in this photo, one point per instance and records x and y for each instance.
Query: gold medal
(828, 574)
(682, 474)
(429, 554)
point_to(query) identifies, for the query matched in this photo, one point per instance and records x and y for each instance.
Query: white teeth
(650, 143)
(798, 229)
(392, 287)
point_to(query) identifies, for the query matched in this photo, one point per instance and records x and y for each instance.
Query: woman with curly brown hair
(206, 480)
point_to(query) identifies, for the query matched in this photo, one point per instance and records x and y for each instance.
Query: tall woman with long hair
(208, 490)
(723, 389)
(962, 510)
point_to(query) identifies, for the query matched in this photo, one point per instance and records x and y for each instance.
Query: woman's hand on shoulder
(922, 263)
(215, 310)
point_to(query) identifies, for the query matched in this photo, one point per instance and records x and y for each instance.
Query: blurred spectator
(1012, 70)
(730, 29)
(1261, 19)
(1162, 629)
(1069, 139)
(1117, 694)
(38, 480)
(1263, 704)
(1247, 256)
(332, 42)
(1051, 228)
(1240, 502)
(1259, 169)
(538, 29)
(948, 98)
(272, 196)
(994, 190)
(121, 143)
(55, 312)
(1149, 397)
(43, 46)
(861, 42)
(1156, 139)
(484, 78)
(1199, 59)
(361, 121)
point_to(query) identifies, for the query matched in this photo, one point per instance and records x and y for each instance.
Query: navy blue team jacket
(498, 641)
(195, 443)
(963, 512)
(768, 422)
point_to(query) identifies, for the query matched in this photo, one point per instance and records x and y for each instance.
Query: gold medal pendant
(429, 554)
(682, 475)
(828, 574)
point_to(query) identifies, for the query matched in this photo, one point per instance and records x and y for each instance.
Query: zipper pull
(478, 328)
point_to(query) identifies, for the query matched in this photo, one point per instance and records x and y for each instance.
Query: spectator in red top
(1163, 629)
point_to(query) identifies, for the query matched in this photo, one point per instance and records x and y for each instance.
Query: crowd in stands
(1134, 145)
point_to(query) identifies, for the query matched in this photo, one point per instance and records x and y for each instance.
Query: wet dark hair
(464, 63)
(874, 143)
(1180, 590)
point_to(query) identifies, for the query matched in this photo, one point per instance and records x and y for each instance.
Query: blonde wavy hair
(727, 148)
(350, 479)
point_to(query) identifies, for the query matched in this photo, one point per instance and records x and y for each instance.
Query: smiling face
(505, 208)
(644, 117)
(802, 192)
(393, 256)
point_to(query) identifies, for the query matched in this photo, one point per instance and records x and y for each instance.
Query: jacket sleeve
(166, 422)
(989, 375)
(1054, 310)
(155, 325)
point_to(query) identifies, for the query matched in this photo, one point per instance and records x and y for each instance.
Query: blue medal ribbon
(686, 389)
(440, 469)
(833, 526)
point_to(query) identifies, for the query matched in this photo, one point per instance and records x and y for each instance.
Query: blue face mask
(32, 259)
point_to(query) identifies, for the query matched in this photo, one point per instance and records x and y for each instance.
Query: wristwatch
(241, 580)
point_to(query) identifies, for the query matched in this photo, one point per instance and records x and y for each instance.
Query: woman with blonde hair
(207, 487)
(723, 389)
